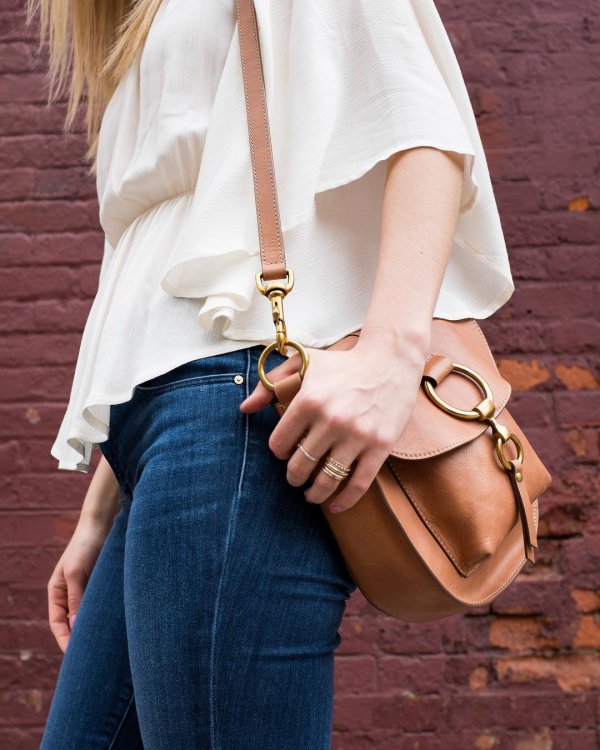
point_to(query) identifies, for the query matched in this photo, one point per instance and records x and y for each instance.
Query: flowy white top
(348, 83)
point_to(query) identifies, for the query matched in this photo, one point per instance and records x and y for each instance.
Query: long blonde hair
(92, 44)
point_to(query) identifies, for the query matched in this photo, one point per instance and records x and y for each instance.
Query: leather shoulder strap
(265, 191)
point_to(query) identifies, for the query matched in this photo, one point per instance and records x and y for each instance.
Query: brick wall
(522, 674)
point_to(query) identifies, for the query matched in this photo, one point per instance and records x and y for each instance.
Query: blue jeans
(211, 616)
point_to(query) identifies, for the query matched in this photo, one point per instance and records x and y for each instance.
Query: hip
(196, 471)
(188, 420)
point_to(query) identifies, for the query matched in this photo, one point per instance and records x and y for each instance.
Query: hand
(70, 576)
(352, 405)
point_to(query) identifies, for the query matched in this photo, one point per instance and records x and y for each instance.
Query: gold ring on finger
(335, 469)
(305, 452)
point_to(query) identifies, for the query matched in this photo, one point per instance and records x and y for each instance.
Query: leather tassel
(525, 509)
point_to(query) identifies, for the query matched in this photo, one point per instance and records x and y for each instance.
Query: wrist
(97, 513)
(410, 343)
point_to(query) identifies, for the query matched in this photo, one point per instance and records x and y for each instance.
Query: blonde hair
(91, 44)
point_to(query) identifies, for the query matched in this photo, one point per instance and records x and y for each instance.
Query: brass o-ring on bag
(483, 412)
(447, 523)
(461, 413)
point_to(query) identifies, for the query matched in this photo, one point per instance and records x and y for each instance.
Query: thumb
(261, 396)
(76, 582)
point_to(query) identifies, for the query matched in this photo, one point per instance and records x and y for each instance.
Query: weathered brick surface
(522, 674)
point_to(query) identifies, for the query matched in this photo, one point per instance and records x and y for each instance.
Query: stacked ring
(335, 469)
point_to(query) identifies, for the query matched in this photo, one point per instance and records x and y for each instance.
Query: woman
(201, 593)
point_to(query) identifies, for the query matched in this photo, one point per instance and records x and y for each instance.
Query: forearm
(101, 500)
(419, 214)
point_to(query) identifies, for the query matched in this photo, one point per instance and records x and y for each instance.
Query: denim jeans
(211, 616)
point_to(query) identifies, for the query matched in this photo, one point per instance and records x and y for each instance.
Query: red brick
(16, 58)
(567, 262)
(56, 316)
(588, 633)
(522, 633)
(397, 637)
(49, 216)
(578, 409)
(356, 674)
(409, 711)
(570, 299)
(587, 600)
(42, 151)
(51, 249)
(575, 377)
(523, 375)
(570, 671)
(420, 675)
(26, 529)
(583, 442)
(27, 119)
(572, 336)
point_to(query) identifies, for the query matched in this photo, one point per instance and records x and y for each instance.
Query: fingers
(324, 431)
(65, 590)
(76, 579)
(58, 611)
(350, 490)
(261, 396)
(362, 477)
(316, 443)
(291, 427)
(325, 485)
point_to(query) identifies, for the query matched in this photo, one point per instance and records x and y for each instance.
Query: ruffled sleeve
(367, 82)
(348, 83)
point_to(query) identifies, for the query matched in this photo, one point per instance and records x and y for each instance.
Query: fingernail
(73, 620)
(335, 508)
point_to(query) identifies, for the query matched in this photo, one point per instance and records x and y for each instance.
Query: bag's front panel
(382, 561)
(464, 498)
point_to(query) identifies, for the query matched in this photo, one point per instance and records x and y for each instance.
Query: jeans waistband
(233, 362)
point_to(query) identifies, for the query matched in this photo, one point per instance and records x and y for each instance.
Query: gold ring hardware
(268, 349)
(503, 460)
(275, 290)
(482, 412)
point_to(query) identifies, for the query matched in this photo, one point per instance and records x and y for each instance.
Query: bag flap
(430, 430)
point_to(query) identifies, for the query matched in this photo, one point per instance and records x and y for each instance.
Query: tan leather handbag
(452, 515)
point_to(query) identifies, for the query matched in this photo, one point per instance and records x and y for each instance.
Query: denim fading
(211, 616)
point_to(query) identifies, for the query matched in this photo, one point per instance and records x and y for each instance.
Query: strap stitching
(242, 34)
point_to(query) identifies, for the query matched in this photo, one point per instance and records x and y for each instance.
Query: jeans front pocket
(229, 367)
(162, 384)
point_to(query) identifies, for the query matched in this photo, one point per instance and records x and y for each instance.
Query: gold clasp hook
(275, 291)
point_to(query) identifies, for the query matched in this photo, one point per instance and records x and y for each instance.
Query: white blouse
(348, 83)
